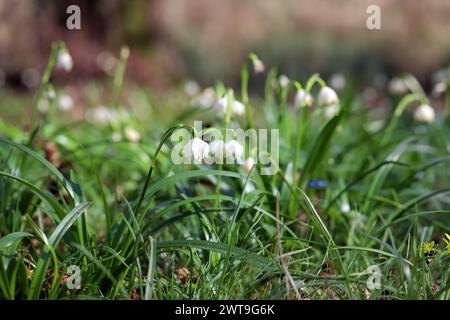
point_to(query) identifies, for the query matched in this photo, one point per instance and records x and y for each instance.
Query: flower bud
(258, 65)
(248, 165)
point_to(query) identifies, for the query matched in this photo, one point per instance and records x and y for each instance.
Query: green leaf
(319, 150)
(236, 252)
(66, 184)
(12, 240)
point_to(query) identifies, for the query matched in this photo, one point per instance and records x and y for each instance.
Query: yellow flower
(447, 241)
(429, 248)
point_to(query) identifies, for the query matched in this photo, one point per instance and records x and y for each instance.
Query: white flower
(303, 99)
(101, 115)
(217, 150)
(234, 150)
(327, 96)
(43, 106)
(191, 88)
(397, 86)
(132, 135)
(50, 93)
(283, 80)
(438, 89)
(196, 148)
(258, 65)
(206, 99)
(337, 81)
(65, 102)
(248, 165)
(424, 113)
(64, 60)
(237, 108)
(331, 110)
(116, 136)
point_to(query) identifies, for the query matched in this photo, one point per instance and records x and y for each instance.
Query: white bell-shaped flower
(234, 150)
(197, 149)
(248, 165)
(216, 151)
(258, 65)
(284, 81)
(237, 107)
(302, 99)
(331, 110)
(64, 60)
(327, 96)
(424, 113)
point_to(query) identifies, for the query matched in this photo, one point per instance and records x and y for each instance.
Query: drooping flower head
(64, 60)
(234, 150)
(217, 151)
(237, 107)
(327, 96)
(424, 114)
(196, 149)
(302, 98)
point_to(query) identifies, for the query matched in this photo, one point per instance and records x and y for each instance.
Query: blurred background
(207, 40)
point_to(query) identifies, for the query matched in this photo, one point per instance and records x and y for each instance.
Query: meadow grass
(353, 191)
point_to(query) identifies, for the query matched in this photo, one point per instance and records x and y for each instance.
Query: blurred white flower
(206, 99)
(397, 86)
(65, 102)
(439, 89)
(284, 81)
(424, 113)
(107, 62)
(331, 110)
(337, 81)
(30, 78)
(303, 99)
(101, 115)
(50, 93)
(345, 207)
(234, 150)
(64, 60)
(441, 75)
(132, 135)
(258, 65)
(116, 136)
(196, 148)
(191, 88)
(43, 106)
(237, 108)
(327, 96)
(248, 165)
(217, 150)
